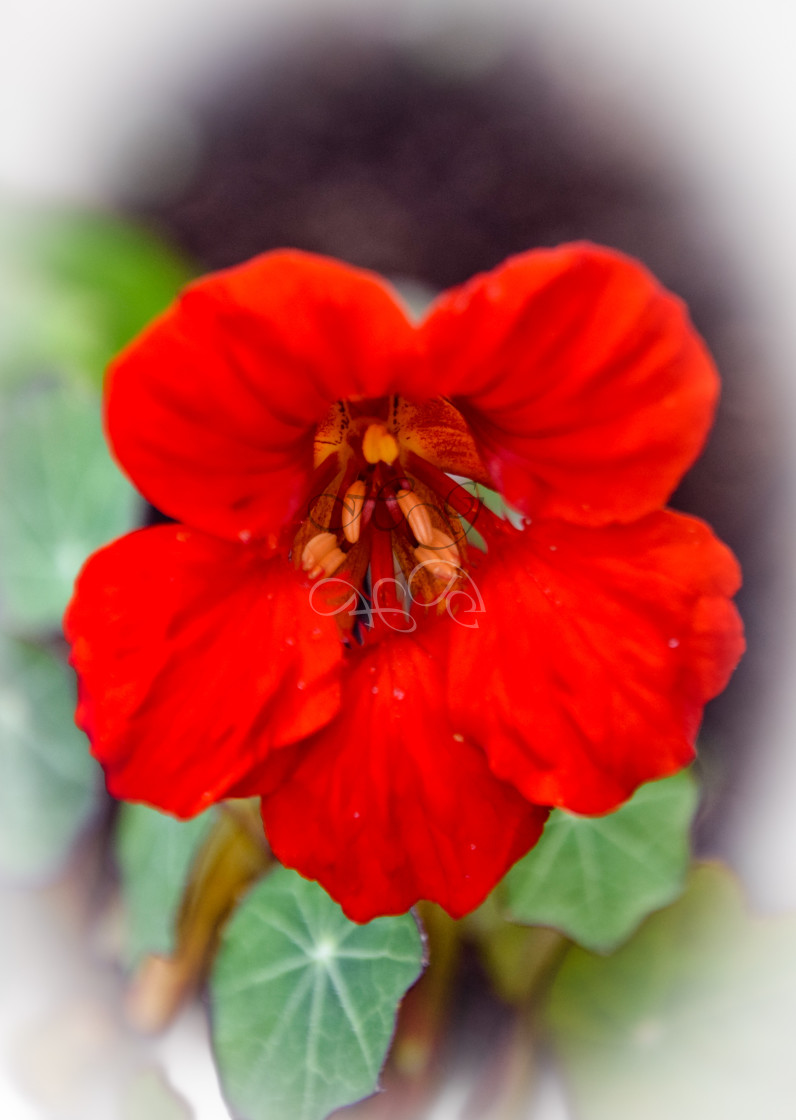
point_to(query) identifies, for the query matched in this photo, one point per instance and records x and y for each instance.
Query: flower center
(388, 520)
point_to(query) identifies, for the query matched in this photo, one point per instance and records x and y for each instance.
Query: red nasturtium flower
(303, 434)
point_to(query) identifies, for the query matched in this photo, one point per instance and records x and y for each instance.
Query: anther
(330, 563)
(440, 556)
(379, 445)
(352, 510)
(316, 550)
(416, 513)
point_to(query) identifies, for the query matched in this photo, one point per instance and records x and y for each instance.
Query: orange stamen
(330, 563)
(315, 551)
(416, 513)
(439, 556)
(352, 510)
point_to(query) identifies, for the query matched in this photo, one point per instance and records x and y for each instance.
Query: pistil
(379, 445)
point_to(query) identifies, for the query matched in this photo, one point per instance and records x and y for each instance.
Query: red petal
(595, 655)
(211, 411)
(587, 389)
(195, 657)
(387, 806)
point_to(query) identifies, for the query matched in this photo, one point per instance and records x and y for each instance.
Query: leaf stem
(233, 857)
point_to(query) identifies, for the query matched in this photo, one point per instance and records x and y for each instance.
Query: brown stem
(522, 963)
(425, 1008)
(232, 857)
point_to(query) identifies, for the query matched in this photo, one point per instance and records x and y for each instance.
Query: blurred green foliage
(61, 497)
(74, 289)
(694, 1017)
(155, 853)
(48, 780)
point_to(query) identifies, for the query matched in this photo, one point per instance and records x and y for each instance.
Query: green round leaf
(597, 878)
(61, 497)
(155, 854)
(49, 783)
(304, 1001)
(695, 1017)
(74, 289)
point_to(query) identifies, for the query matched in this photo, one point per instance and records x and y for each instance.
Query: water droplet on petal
(316, 631)
(398, 693)
(457, 737)
(554, 548)
(290, 641)
(301, 685)
(674, 643)
(356, 814)
(245, 535)
(472, 847)
(375, 689)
